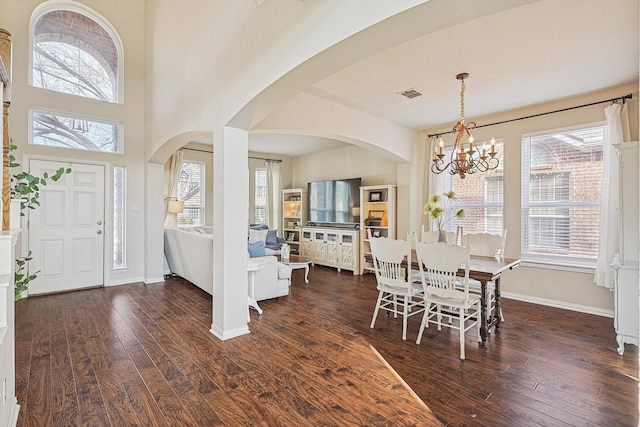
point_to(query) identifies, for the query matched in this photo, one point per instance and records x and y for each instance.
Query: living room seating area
(189, 254)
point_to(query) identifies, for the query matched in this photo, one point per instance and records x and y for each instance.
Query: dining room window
(481, 195)
(561, 190)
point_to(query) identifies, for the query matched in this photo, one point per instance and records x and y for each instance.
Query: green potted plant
(25, 188)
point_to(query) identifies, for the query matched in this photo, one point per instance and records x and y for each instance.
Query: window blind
(561, 186)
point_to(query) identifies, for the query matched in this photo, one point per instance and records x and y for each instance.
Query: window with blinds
(191, 192)
(481, 195)
(260, 200)
(561, 190)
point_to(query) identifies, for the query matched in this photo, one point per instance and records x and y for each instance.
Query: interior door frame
(108, 201)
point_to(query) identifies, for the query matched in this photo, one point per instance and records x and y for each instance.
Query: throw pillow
(257, 236)
(256, 249)
(272, 238)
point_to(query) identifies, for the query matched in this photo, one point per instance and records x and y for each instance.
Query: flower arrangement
(437, 209)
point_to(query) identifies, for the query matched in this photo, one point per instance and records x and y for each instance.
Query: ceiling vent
(410, 93)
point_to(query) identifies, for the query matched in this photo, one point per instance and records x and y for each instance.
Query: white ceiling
(526, 55)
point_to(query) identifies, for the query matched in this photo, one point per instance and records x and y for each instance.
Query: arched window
(75, 51)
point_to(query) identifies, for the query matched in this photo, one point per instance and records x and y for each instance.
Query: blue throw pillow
(256, 249)
(272, 238)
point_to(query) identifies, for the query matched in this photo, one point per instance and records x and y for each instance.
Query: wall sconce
(355, 211)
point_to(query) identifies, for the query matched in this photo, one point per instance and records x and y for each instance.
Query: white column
(154, 219)
(230, 219)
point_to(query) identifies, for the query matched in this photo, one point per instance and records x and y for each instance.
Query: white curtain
(609, 245)
(273, 193)
(171, 189)
(437, 183)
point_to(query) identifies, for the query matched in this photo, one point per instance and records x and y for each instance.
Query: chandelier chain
(462, 101)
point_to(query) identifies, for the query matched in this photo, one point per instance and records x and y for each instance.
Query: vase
(442, 236)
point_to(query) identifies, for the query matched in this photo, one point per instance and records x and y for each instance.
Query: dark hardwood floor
(143, 355)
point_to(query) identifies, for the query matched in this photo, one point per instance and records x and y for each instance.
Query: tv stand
(332, 245)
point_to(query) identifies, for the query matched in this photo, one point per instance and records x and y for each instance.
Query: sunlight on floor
(399, 378)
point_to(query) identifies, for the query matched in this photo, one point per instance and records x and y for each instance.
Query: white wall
(347, 162)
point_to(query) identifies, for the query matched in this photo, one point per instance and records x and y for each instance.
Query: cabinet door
(307, 249)
(319, 247)
(347, 256)
(331, 254)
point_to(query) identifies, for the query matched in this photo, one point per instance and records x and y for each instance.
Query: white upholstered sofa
(189, 253)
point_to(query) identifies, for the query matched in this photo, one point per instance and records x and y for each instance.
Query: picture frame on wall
(375, 196)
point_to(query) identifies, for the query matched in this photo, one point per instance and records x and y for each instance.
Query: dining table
(483, 269)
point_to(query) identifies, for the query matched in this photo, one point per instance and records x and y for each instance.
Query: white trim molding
(559, 304)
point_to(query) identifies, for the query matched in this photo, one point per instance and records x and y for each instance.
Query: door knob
(99, 231)
(99, 222)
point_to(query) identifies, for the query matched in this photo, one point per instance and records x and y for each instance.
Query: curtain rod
(622, 98)
(211, 152)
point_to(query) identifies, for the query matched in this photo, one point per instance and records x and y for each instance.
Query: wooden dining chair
(394, 285)
(490, 245)
(446, 294)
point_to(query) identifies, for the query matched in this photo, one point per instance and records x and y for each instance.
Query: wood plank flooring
(142, 355)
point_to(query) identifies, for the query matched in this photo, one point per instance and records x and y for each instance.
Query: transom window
(561, 190)
(68, 131)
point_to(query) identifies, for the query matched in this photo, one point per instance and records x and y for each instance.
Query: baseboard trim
(15, 410)
(124, 281)
(225, 335)
(154, 280)
(559, 304)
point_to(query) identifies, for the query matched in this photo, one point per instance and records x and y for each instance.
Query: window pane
(260, 202)
(561, 188)
(57, 130)
(191, 192)
(119, 260)
(74, 54)
(481, 195)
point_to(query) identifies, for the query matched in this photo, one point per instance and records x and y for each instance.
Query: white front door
(66, 232)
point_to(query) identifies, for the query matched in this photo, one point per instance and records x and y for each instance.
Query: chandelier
(464, 161)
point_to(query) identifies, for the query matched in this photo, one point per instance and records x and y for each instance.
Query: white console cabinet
(333, 247)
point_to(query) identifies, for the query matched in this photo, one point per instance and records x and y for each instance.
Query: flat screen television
(334, 201)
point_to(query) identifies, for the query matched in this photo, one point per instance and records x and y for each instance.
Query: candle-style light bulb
(493, 145)
(441, 145)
